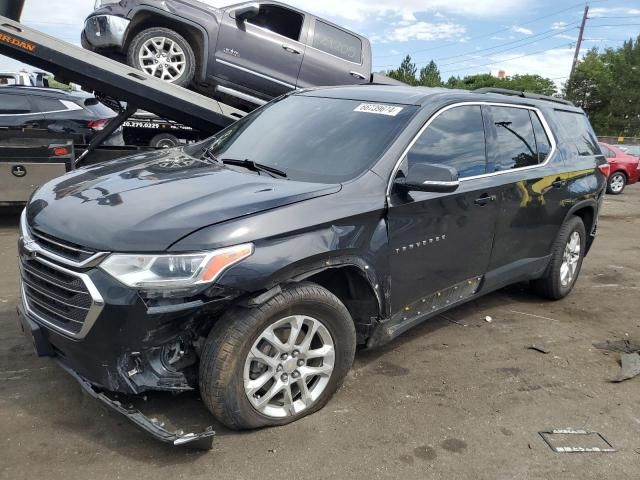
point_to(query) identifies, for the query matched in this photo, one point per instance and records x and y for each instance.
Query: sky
(463, 36)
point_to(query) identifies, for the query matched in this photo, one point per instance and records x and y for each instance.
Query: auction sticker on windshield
(389, 110)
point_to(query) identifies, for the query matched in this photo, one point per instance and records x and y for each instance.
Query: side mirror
(246, 12)
(426, 177)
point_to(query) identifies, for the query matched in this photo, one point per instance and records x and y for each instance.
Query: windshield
(313, 139)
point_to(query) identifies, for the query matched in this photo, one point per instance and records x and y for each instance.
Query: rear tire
(566, 261)
(616, 183)
(234, 358)
(163, 54)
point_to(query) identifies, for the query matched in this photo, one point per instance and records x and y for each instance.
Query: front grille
(68, 250)
(55, 296)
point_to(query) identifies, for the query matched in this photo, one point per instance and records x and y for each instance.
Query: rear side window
(46, 104)
(607, 152)
(337, 42)
(280, 20)
(456, 139)
(14, 104)
(511, 142)
(577, 130)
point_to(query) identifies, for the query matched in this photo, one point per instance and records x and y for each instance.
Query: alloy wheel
(570, 259)
(162, 58)
(617, 183)
(289, 366)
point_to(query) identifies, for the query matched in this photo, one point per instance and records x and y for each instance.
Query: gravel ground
(455, 398)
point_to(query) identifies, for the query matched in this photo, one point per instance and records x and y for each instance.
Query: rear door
(334, 57)
(534, 197)
(263, 54)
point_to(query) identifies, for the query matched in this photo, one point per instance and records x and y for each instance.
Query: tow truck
(137, 91)
(123, 88)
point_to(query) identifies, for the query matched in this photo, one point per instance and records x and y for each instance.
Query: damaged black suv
(251, 265)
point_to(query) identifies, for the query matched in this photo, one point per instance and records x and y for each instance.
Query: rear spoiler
(110, 78)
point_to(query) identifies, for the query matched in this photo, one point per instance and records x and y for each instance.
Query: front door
(441, 243)
(262, 54)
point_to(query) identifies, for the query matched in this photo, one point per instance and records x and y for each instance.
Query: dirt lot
(457, 398)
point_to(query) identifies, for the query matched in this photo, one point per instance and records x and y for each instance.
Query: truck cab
(251, 51)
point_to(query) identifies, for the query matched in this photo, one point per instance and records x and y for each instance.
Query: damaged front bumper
(199, 441)
(40, 339)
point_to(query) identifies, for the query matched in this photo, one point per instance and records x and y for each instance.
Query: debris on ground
(539, 348)
(619, 346)
(488, 319)
(561, 440)
(630, 367)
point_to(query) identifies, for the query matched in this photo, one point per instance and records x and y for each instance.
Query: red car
(625, 168)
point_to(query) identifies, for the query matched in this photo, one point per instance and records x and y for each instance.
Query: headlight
(172, 273)
(102, 3)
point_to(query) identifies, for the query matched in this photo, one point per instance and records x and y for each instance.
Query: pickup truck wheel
(566, 261)
(164, 54)
(276, 363)
(616, 183)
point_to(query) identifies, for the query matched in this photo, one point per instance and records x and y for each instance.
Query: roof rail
(516, 93)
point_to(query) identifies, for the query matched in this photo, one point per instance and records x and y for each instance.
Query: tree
(430, 76)
(607, 86)
(406, 72)
(523, 83)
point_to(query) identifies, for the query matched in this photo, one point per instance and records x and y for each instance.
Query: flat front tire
(566, 261)
(274, 364)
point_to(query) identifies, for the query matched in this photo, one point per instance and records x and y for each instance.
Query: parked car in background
(251, 51)
(625, 168)
(252, 264)
(633, 150)
(56, 111)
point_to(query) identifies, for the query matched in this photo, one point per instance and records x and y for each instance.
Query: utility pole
(579, 44)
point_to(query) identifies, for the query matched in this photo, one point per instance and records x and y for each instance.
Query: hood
(147, 202)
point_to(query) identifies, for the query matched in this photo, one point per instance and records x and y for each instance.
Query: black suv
(251, 265)
(57, 111)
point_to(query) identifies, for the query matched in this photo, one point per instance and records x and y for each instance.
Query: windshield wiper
(209, 155)
(254, 166)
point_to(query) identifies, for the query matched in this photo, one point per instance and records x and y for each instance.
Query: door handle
(291, 50)
(357, 75)
(485, 200)
(559, 183)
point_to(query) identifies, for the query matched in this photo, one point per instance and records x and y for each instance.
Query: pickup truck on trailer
(251, 51)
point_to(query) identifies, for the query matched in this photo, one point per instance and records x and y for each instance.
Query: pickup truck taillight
(605, 169)
(60, 151)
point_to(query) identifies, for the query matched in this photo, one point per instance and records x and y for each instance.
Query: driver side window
(280, 20)
(455, 138)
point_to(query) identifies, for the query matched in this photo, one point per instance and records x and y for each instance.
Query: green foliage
(607, 86)
(522, 83)
(430, 76)
(53, 83)
(406, 72)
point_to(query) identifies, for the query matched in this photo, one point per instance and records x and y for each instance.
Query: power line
(504, 59)
(497, 31)
(523, 42)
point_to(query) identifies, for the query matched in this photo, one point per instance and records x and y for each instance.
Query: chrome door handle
(357, 75)
(291, 50)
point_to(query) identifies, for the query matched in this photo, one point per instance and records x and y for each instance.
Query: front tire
(616, 183)
(279, 362)
(566, 261)
(163, 54)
